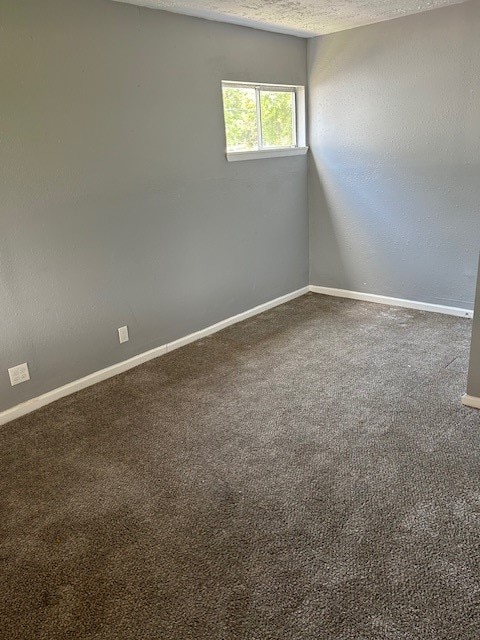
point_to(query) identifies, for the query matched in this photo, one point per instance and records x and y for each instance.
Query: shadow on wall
(366, 231)
(393, 187)
(341, 203)
(324, 233)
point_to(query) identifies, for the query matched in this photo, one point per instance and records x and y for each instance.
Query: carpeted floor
(309, 474)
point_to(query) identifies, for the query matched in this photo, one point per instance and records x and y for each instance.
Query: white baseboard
(471, 401)
(223, 324)
(87, 381)
(396, 302)
(77, 385)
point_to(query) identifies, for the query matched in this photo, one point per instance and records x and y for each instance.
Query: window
(263, 121)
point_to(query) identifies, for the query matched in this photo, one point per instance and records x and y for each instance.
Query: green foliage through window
(277, 110)
(240, 109)
(257, 118)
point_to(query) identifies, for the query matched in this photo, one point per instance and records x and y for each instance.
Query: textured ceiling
(298, 17)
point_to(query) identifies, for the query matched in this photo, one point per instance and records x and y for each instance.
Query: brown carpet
(309, 474)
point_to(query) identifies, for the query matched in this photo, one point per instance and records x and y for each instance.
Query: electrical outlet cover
(19, 374)
(123, 334)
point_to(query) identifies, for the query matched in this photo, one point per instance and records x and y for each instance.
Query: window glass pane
(278, 115)
(240, 109)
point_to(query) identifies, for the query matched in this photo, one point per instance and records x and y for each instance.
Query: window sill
(234, 156)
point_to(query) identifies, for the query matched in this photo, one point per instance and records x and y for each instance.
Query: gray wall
(394, 178)
(117, 204)
(473, 385)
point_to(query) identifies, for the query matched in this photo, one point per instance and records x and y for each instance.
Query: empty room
(239, 350)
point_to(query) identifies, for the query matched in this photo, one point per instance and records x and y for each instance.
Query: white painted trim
(471, 401)
(234, 156)
(300, 111)
(72, 387)
(176, 344)
(263, 86)
(77, 385)
(396, 302)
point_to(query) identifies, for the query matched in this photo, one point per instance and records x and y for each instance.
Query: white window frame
(299, 128)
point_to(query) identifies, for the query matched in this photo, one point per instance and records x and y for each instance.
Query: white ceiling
(298, 17)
